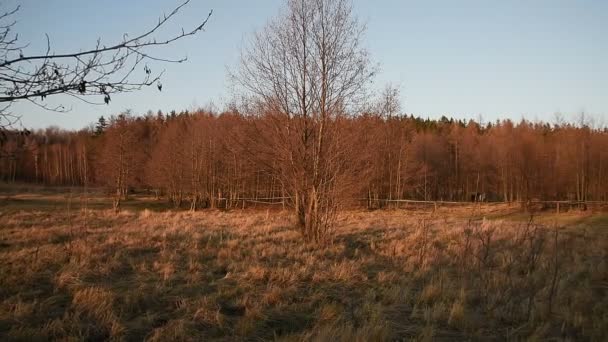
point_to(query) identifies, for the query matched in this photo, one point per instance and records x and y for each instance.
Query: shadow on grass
(62, 203)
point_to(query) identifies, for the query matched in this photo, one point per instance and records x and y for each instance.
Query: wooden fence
(530, 205)
(374, 203)
(234, 202)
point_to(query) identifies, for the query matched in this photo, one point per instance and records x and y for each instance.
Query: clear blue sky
(497, 59)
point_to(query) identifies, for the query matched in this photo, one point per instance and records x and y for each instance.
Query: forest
(197, 158)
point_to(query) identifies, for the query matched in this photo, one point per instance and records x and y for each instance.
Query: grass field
(474, 273)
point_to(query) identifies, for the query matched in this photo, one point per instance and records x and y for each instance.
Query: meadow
(478, 272)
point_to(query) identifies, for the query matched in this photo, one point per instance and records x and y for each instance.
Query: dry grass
(247, 275)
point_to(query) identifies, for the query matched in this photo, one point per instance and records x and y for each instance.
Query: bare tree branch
(100, 71)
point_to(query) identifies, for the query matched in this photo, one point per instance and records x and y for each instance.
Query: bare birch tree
(307, 68)
(121, 158)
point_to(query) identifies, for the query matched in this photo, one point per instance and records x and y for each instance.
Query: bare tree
(306, 69)
(121, 159)
(389, 104)
(100, 71)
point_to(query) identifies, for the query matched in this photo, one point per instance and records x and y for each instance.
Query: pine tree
(101, 126)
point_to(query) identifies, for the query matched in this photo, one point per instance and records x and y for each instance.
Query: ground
(470, 273)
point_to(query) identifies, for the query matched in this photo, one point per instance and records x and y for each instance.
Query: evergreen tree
(101, 126)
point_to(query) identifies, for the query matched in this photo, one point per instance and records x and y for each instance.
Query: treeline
(197, 158)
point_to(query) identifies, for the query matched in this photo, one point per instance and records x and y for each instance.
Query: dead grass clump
(164, 269)
(256, 273)
(431, 293)
(17, 309)
(385, 277)
(175, 330)
(69, 277)
(145, 214)
(457, 316)
(95, 301)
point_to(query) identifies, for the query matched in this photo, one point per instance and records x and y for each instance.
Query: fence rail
(558, 204)
(376, 202)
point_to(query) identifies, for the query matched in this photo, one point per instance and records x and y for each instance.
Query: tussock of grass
(247, 275)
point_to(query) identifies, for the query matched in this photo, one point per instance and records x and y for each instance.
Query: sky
(463, 59)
